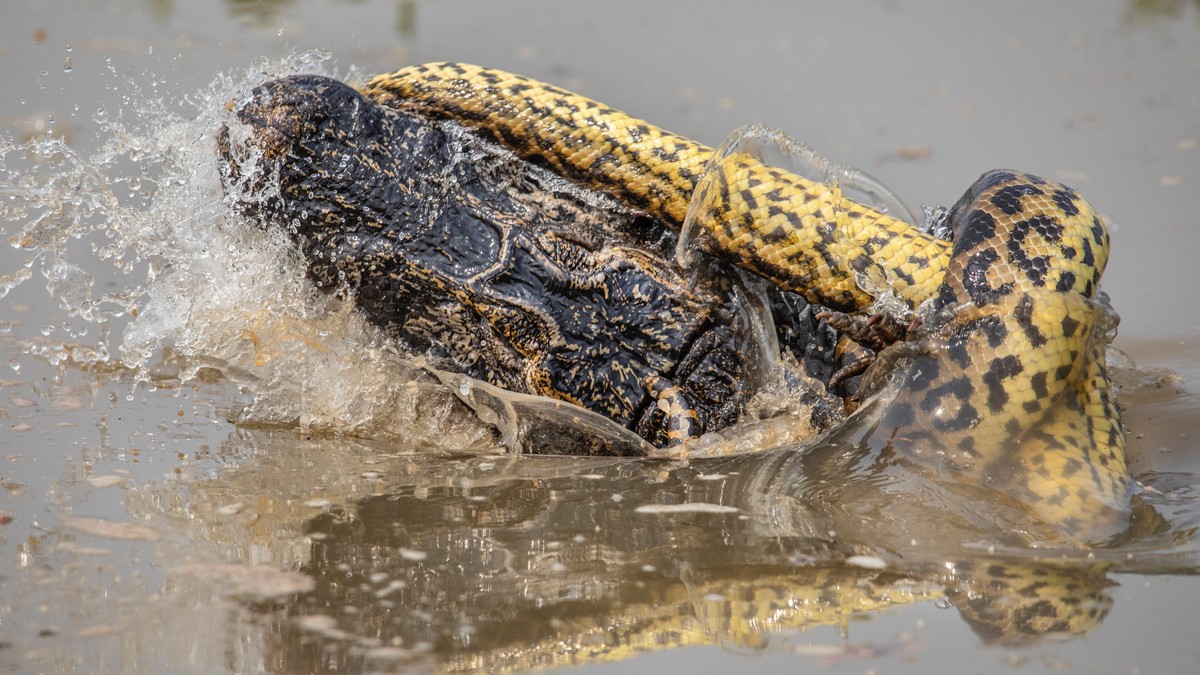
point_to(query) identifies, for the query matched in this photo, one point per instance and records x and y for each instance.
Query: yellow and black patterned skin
(1006, 380)
(1009, 383)
(740, 583)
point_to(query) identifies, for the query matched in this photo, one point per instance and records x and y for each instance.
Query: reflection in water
(1148, 11)
(261, 12)
(516, 562)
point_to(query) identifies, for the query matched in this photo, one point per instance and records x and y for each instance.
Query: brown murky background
(132, 519)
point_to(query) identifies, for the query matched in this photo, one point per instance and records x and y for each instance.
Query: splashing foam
(196, 280)
(193, 278)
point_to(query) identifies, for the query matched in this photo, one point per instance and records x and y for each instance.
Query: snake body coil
(1006, 382)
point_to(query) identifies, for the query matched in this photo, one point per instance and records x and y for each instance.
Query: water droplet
(67, 65)
(14, 363)
(68, 46)
(942, 603)
(150, 50)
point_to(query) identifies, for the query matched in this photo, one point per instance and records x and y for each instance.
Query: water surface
(145, 531)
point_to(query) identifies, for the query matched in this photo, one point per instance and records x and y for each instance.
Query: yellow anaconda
(1006, 380)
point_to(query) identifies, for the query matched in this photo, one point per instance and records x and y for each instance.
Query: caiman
(503, 271)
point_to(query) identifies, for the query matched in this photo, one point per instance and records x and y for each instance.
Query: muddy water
(350, 521)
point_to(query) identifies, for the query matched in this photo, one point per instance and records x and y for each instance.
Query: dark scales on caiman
(500, 270)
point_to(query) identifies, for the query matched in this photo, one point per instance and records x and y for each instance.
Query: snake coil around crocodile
(1006, 380)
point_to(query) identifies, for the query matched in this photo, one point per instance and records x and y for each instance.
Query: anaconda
(1004, 382)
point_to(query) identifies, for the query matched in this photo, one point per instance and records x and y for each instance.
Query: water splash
(187, 276)
(772, 147)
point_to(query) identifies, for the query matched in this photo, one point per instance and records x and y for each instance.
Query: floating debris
(108, 529)
(254, 582)
(690, 507)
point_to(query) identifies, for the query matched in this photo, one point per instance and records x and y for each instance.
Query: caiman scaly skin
(494, 268)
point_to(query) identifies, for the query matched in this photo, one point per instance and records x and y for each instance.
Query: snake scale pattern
(1006, 379)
